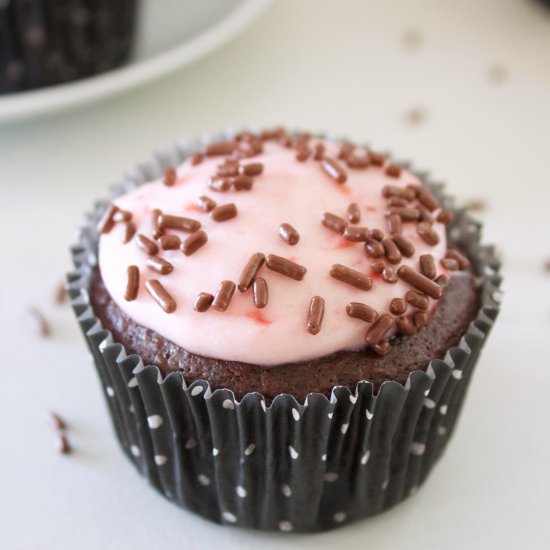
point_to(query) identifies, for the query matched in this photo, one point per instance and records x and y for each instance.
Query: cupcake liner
(288, 466)
(45, 42)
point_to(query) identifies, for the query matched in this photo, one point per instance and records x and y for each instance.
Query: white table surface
(341, 66)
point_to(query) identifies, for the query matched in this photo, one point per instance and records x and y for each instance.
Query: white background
(340, 66)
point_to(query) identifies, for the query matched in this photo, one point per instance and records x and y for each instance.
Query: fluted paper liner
(289, 466)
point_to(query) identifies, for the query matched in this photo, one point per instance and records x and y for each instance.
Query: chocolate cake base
(458, 307)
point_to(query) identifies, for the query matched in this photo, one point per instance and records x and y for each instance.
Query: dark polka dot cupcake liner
(287, 466)
(44, 42)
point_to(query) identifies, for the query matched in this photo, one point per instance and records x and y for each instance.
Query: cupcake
(45, 43)
(285, 325)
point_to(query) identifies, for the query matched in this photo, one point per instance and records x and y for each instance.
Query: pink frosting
(287, 191)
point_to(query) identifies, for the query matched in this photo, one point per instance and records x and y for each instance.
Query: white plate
(171, 34)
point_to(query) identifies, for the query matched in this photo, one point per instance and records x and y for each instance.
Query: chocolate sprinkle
(62, 444)
(361, 311)
(37, 322)
(128, 232)
(194, 242)
(169, 242)
(405, 326)
(285, 267)
(351, 277)
(427, 233)
(160, 295)
(427, 266)
(379, 329)
(260, 292)
(170, 177)
(334, 222)
(420, 282)
(219, 184)
(376, 234)
(463, 262)
(406, 214)
(417, 299)
(427, 199)
(420, 319)
(206, 203)
(354, 213)
(450, 263)
(315, 315)
(242, 183)
(223, 295)
(378, 266)
(106, 223)
(334, 169)
(382, 348)
(132, 283)
(391, 251)
(56, 421)
(394, 224)
(376, 158)
(178, 223)
(404, 245)
(220, 148)
(445, 217)
(289, 234)
(159, 265)
(147, 245)
(374, 248)
(356, 234)
(202, 302)
(393, 171)
(252, 169)
(250, 271)
(389, 276)
(398, 306)
(224, 212)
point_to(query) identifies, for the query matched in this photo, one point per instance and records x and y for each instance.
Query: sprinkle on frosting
(400, 258)
(315, 315)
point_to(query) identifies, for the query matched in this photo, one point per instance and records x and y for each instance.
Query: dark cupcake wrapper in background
(288, 466)
(46, 42)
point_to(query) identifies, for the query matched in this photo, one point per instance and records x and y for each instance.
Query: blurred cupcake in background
(47, 42)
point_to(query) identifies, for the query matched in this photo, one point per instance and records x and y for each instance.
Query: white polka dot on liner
(344, 428)
(417, 449)
(286, 490)
(215, 452)
(293, 453)
(353, 399)
(229, 517)
(241, 491)
(160, 460)
(457, 374)
(203, 480)
(197, 390)
(441, 430)
(155, 421)
(132, 383)
(429, 403)
(228, 404)
(324, 457)
(369, 414)
(339, 517)
(135, 450)
(443, 409)
(250, 449)
(285, 526)
(365, 458)
(110, 391)
(295, 414)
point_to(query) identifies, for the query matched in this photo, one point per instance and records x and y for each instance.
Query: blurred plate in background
(171, 35)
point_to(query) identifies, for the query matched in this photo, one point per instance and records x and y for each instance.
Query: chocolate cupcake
(43, 43)
(285, 326)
